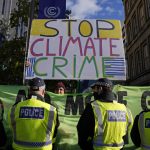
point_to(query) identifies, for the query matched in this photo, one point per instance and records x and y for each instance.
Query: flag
(52, 9)
(114, 66)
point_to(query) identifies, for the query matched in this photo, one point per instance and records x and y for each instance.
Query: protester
(60, 88)
(140, 133)
(104, 121)
(3, 137)
(33, 122)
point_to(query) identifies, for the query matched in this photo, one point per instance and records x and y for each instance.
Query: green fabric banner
(71, 106)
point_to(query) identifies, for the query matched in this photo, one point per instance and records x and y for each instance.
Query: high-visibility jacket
(112, 121)
(144, 129)
(33, 124)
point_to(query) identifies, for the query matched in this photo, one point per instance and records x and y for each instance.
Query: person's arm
(85, 128)
(135, 135)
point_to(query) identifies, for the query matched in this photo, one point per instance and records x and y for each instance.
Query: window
(139, 61)
(134, 25)
(131, 66)
(138, 65)
(127, 4)
(146, 56)
(141, 15)
(129, 32)
(127, 69)
(136, 61)
(3, 7)
(148, 7)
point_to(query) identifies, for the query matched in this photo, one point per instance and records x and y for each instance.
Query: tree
(22, 12)
(13, 51)
(11, 61)
(4, 26)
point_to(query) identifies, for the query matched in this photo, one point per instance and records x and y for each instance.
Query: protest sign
(76, 49)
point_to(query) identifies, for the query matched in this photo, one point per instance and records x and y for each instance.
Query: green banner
(71, 106)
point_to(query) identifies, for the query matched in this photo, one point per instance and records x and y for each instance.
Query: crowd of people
(103, 125)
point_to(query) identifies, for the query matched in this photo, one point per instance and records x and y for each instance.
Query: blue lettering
(116, 115)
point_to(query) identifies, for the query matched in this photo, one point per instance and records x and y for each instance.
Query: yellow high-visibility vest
(33, 124)
(144, 130)
(112, 121)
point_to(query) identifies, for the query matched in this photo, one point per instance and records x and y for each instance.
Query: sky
(96, 9)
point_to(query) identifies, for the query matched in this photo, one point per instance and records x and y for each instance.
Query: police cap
(35, 83)
(103, 82)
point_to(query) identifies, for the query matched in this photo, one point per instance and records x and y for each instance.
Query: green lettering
(89, 61)
(57, 67)
(36, 66)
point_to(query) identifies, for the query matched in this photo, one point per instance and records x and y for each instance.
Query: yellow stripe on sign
(110, 29)
(39, 28)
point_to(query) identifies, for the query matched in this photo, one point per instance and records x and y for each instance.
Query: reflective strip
(141, 125)
(13, 122)
(50, 123)
(100, 123)
(130, 117)
(34, 144)
(109, 145)
(145, 146)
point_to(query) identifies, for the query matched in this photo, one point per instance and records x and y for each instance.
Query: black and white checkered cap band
(103, 84)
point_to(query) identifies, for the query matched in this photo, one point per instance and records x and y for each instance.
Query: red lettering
(112, 46)
(47, 49)
(100, 45)
(73, 41)
(89, 45)
(60, 45)
(32, 47)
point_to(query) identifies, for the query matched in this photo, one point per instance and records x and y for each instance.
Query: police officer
(34, 123)
(140, 133)
(104, 121)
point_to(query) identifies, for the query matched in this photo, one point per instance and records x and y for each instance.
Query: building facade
(137, 24)
(6, 8)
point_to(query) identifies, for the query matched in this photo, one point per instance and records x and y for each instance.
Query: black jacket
(85, 128)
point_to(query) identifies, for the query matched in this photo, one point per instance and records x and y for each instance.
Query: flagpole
(30, 18)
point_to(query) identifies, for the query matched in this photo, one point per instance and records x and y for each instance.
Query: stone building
(137, 24)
